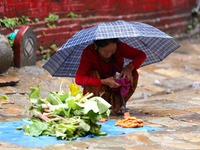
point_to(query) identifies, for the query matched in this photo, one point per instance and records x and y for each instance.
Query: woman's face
(107, 51)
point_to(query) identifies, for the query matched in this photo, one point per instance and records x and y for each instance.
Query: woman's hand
(110, 82)
(127, 72)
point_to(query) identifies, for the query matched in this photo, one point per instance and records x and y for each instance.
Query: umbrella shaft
(124, 104)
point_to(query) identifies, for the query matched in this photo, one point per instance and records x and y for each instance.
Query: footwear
(122, 110)
(117, 114)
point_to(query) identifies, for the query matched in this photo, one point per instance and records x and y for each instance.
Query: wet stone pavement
(167, 96)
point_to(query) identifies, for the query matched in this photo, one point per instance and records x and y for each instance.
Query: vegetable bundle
(65, 115)
(130, 122)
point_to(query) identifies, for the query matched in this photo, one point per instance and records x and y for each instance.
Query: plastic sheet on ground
(9, 134)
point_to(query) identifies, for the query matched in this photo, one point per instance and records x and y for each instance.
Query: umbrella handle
(124, 104)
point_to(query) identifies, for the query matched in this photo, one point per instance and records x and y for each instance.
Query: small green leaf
(37, 128)
(4, 97)
(34, 96)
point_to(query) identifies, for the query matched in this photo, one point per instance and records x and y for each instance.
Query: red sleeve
(82, 75)
(137, 56)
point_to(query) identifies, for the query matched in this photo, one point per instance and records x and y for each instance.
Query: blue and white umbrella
(156, 44)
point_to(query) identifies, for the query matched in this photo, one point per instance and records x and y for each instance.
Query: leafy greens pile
(65, 115)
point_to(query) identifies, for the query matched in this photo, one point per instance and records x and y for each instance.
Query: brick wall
(171, 16)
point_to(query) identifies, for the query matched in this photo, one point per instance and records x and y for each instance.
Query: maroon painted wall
(171, 16)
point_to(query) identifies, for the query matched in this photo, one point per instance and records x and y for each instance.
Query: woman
(99, 60)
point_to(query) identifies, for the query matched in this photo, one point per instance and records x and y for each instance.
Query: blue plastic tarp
(9, 134)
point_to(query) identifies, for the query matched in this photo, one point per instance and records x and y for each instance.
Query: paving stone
(8, 146)
(21, 100)
(6, 80)
(145, 108)
(169, 122)
(69, 145)
(63, 80)
(7, 90)
(177, 83)
(194, 77)
(146, 78)
(195, 109)
(194, 118)
(153, 89)
(146, 147)
(144, 100)
(13, 112)
(15, 118)
(139, 93)
(160, 138)
(169, 113)
(182, 145)
(192, 137)
(12, 109)
(167, 104)
(111, 141)
(195, 102)
(5, 101)
(169, 72)
(148, 68)
(180, 96)
(152, 124)
(141, 137)
(4, 115)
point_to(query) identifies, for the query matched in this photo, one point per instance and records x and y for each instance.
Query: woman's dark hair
(106, 42)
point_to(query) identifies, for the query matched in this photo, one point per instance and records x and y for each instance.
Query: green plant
(37, 20)
(52, 18)
(43, 33)
(11, 42)
(9, 22)
(51, 26)
(25, 20)
(47, 56)
(41, 49)
(194, 22)
(53, 47)
(72, 15)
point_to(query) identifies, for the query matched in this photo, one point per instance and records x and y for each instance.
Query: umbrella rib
(148, 48)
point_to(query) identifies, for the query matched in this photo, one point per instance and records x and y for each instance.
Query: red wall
(171, 16)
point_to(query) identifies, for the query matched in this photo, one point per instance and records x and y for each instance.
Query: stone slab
(8, 80)
(145, 108)
(7, 90)
(192, 137)
(194, 77)
(182, 145)
(5, 101)
(166, 121)
(146, 147)
(195, 109)
(170, 73)
(169, 113)
(12, 109)
(146, 78)
(176, 83)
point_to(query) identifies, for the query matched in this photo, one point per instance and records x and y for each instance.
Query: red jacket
(90, 62)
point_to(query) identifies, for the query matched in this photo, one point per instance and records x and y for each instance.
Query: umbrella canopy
(156, 44)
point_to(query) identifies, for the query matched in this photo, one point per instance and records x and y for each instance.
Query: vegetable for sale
(130, 122)
(65, 115)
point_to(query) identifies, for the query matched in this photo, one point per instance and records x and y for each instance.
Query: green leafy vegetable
(65, 115)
